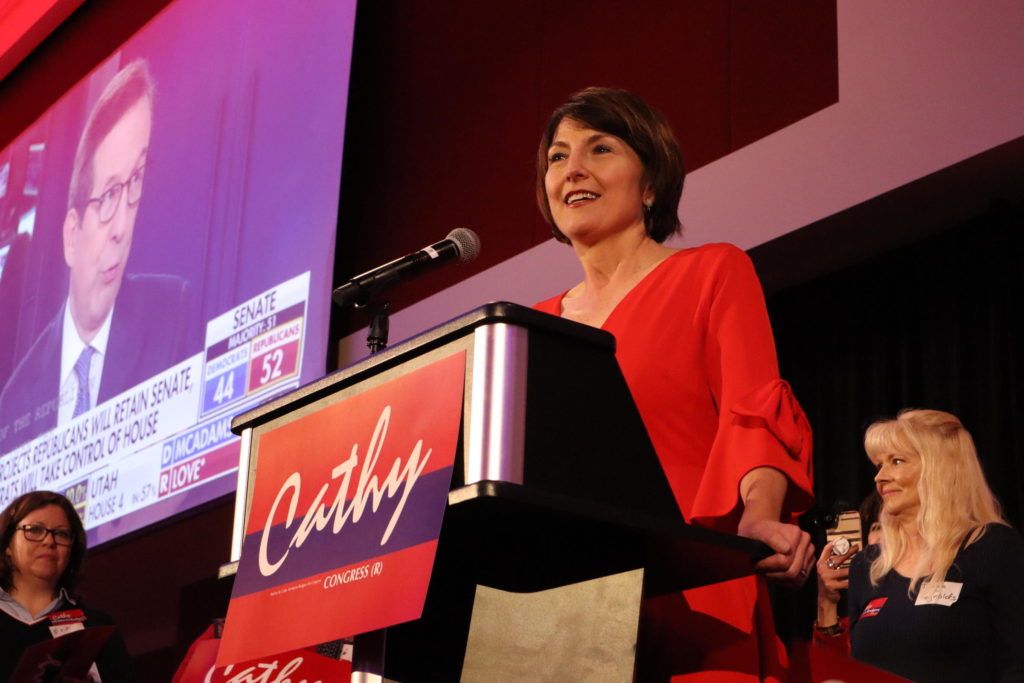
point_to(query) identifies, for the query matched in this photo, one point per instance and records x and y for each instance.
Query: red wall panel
(448, 101)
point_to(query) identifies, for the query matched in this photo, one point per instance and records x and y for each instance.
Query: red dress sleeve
(696, 348)
(760, 422)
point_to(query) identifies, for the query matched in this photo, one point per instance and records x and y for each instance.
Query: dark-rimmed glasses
(37, 533)
(108, 201)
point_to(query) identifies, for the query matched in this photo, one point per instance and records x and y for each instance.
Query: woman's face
(896, 481)
(594, 182)
(40, 560)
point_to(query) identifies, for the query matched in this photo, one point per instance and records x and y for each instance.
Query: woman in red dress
(695, 346)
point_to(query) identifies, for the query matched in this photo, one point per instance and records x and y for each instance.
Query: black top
(979, 637)
(15, 636)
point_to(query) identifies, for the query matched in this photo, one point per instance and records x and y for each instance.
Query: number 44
(225, 388)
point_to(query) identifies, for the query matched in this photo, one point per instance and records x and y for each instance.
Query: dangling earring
(648, 203)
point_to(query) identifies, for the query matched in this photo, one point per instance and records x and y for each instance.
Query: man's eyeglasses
(38, 532)
(109, 200)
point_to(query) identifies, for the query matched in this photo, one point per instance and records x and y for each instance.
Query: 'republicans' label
(256, 346)
(345, 515)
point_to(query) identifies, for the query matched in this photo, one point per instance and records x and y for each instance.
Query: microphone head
(467, 243)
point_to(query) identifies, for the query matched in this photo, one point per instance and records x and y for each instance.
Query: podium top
(592, 498)
(488, 314)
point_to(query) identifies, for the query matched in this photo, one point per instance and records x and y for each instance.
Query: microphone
(461, 243)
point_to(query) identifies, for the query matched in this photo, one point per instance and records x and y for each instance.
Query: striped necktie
(82, 400)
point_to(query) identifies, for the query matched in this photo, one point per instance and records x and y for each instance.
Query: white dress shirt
(71, 348)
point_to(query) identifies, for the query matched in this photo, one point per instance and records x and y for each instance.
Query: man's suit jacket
(147, 335)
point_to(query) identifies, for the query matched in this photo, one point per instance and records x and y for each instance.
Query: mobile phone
(848, 527)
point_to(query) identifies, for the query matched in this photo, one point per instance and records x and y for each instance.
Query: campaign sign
(345, 515)
(300, 666)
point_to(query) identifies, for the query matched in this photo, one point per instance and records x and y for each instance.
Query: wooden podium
(555, 482)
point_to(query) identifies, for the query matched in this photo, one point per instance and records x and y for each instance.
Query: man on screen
(114, 330)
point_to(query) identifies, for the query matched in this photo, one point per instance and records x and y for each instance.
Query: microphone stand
(461, 243)
(377, 337)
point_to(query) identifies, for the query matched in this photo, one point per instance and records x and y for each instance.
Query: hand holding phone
(845, 534)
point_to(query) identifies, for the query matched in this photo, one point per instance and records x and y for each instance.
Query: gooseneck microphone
(461, 243)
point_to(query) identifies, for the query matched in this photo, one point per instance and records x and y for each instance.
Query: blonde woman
(939, 598)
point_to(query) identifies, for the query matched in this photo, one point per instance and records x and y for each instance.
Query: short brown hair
(645, 130)
(131, 85)
(19, 509)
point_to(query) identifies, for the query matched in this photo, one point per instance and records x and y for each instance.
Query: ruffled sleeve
(760, 422)
(766, 428)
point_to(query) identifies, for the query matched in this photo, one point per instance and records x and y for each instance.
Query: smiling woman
(695, 347)
(939, 598)
(601, 121)
(594, 182)
(898, 474)
(43, 544)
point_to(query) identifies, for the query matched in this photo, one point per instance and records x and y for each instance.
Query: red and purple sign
(300, 666)
(345, 516)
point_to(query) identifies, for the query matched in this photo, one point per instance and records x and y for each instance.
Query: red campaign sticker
(873, 608)
(69, 616)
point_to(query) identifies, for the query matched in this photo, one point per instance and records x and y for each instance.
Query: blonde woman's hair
(955, 498)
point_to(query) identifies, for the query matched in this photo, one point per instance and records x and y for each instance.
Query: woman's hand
(832, 578)
(762, 490)
(794, 552)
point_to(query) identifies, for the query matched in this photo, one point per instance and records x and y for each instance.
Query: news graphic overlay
(253, 352)
(170, 435)
(345, 516)
(255, 346)
(107, 460)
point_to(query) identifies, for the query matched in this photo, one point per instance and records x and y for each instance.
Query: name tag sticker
(59, 630)
(946, 594)
(66, 622)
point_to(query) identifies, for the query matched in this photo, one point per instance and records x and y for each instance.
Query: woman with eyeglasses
(43, 544)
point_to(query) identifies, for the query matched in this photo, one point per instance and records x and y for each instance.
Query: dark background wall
(446, 104)
(934, 324)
